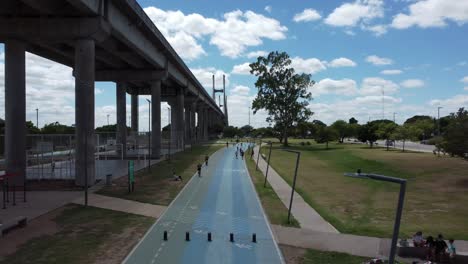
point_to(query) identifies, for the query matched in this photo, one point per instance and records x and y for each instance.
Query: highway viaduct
(102, 40)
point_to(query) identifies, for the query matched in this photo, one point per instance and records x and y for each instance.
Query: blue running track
(222, 201)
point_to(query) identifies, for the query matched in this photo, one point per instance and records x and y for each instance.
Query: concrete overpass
(102, 40)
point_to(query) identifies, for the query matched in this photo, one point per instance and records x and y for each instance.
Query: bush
(308, 143)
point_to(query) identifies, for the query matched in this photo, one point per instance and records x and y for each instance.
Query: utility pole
(383, 103)
(37, 118)
(108, 119)
(394, 117)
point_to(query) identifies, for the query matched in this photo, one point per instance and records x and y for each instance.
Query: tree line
(449, 134)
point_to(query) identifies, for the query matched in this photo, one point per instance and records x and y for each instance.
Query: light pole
(268, 164)
(37, 118)
(149, 133)
(294, 181)
(258, 153)
(249, 115)
(438, 120)
(401, 199)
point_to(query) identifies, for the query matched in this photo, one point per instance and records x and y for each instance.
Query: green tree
(57, 128)
(326, 134)
(281, 92)
(406, 132)
(31, 128)
(456, 135)
(246, 130)
(368, 133)
(353, 120)
(386, 131)
(342, 128)
(230, 132)
(426, 127)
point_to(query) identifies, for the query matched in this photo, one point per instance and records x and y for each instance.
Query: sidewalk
(127, 206)
(306, 216)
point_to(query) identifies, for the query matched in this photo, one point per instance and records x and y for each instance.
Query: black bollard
(231, 237)
(209, 236)
(254, 238)
(165, 235)
(187, 236)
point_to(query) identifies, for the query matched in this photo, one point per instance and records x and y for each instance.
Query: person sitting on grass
(440, 248)
(451, 250)
(176, 177)
(430, 244)
(418, 240)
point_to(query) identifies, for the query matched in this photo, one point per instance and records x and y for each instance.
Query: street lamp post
(401, 199)
(294, 182)
(108, 119)
(149, 134)
(268, 164)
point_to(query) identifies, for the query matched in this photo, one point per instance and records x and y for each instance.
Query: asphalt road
(222, 201)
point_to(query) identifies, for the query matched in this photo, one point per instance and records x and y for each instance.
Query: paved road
(222, 201)
(413, 146)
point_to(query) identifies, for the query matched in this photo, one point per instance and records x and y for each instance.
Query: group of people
(437, 249)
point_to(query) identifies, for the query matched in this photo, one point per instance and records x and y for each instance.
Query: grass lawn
(157, 187)
(85, 235)
(436, 198)
(323, 257)
(276, 211)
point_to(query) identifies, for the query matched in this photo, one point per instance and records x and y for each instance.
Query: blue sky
(414, 51)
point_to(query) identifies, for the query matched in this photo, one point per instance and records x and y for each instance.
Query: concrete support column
(179, 104)
(205, 124)
(192, 123)
(156, 119)
(15, 110)
(134, 113)
(200, 124)
(121, 118)
(187, 124)
(173, 124)
(84, 110)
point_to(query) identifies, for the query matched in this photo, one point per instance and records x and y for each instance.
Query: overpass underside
(101, 40)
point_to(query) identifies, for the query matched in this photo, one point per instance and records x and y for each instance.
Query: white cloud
(341, 62)
(378, 30)
(256, 54)
(351, 14)
(268, 8)
(412, 83)
(375, 86)
(232, 35)
(309, 66)
(329, 86)
(466, 88)
(432, 13)
(451, 104)
(391, 72)
(376, 60)
(241, 90)
(376, 99)
(308, 14)
(242, 69)
(205, 77)
(461, 63)
(349, 32)
(464, 79)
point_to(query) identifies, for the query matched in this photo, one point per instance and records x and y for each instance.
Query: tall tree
(368, 133)
(342, 128)
(456, 134)
(281, 91)
(386, 131)
(406, 132)
(326, 134)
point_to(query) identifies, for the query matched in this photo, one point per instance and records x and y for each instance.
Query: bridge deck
(222, 201)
